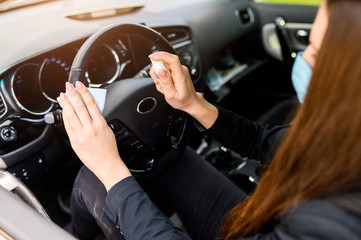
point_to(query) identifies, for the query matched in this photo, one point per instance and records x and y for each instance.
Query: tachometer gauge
(54, 74)
(103, 67)
(26, 90)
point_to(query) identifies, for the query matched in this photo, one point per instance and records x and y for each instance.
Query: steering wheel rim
(80, 63)
(147, 131)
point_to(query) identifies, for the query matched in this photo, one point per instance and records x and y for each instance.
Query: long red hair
(322, 151)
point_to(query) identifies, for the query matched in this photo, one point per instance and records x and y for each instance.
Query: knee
(88, 192)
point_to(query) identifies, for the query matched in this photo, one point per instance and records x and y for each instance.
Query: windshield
(7, 5)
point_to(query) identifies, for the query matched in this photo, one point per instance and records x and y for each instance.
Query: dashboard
(35, 61)
(36, 83)
(30, 89)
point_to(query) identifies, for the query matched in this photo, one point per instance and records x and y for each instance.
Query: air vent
(245, 15)
(3, 108)
(174, 35)
(103, 13)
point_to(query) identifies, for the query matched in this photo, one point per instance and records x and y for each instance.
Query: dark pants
(200, 195)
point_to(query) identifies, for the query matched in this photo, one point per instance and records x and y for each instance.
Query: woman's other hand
(90, 136)
(179, 91)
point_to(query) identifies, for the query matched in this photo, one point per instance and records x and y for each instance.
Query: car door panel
(298, 21)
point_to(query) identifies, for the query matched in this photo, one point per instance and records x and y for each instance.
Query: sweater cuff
(216, 125)
(116, 194)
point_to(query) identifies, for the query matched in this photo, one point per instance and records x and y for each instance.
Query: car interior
(239, 54)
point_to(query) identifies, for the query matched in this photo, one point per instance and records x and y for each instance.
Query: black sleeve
(132, 211)
(313, 220)
(246, 137)
(129, 207)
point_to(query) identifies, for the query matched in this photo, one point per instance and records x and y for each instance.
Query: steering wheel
(136, 112)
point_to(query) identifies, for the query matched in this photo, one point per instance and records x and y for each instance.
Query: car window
(298, 2)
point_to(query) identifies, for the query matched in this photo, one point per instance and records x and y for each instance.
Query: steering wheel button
(8, 134)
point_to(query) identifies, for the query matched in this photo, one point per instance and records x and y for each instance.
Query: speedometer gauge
(54, 74)
(26, 91)
(103, 67)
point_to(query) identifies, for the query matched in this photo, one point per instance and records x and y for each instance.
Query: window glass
(299, 2)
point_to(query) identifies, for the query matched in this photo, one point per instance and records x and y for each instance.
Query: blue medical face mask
(301, 76)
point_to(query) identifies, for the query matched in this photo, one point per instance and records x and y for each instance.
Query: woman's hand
(90, 136)
(179, 91)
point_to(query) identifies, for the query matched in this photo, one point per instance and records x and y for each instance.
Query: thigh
(87, 203)
(201, 195)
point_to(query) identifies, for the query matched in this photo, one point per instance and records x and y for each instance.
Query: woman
(311, 188)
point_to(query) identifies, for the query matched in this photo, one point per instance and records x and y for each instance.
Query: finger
(89, 101)
(170, 61)
(167, 81)
(70, 119)
(78, 104)
(186, 73)
(155, 80)
(68, 127)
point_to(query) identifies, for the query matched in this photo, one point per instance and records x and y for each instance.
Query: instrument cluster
(36, 84)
